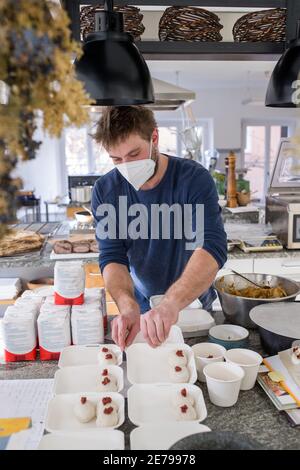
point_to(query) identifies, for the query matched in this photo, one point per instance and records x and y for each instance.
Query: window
(260, 146)
(174, 141)
(76, 151)
(82, 155)
(168, 137)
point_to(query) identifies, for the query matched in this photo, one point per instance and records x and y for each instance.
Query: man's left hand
(157, 322)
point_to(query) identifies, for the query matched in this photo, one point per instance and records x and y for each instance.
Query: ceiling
(198, 74)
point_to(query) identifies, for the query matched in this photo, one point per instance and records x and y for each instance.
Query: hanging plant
(38, 83)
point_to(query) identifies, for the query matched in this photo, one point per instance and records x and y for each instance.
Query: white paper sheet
(27, 398)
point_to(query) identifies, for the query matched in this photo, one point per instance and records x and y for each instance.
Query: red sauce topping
(296, 351)
(179, 353)
(105, 372)
(108, 356)
(183, 392)
(106, 400)
(184, 408)
(108, 411)
(83, 400)
(105, 381)
(104, 350)
(178, 369)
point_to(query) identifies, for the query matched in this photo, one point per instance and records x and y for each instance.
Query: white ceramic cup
(223, 382)
(249, 361)
(202, 351)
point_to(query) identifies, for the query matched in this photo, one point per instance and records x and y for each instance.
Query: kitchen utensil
(86, 355)
(84, 217)
(229, 336)
(161, 436)
(175, 336)
(153, 403)
(83, 379)
(249, 361)
(206, 353)
(249, 280)
(236, 308)
(243, 198)
(146, 365)
(81, 194)
(278, 325)
(216, 441)
(99, 439)
(223, 383)
(60, 414)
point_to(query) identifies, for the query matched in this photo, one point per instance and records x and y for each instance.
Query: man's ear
(155, 136)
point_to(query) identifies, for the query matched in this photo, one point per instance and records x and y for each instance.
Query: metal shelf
(180, 50)
(199, 3)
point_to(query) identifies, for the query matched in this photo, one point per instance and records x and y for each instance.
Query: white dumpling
(107, 383)
(179, 374)
(106, 401)
(107, 357)
(185, 412)
(182, 396)
(178, 357)
(84, 410)
(295, 356)
(107, 416)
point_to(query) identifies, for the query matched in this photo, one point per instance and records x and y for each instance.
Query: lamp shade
(281, 92)
(113, 70)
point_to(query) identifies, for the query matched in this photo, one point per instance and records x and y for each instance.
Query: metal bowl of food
(238, 297)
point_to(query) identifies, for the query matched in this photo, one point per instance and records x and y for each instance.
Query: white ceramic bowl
(229, 336)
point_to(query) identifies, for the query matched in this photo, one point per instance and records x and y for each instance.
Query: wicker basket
(189, 24)
(266, 25)
(132, 20)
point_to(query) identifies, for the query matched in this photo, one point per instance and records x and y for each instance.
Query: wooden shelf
(180, 50)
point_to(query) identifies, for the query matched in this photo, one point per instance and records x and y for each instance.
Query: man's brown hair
(118, 122)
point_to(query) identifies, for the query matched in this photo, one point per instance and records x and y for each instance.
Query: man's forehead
(127, 145)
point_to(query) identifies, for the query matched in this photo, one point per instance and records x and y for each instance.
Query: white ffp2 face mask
(139, 171)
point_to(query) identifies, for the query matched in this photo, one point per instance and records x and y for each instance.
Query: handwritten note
(27, 398)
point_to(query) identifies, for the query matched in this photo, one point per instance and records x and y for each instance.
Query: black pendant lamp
(282, 87)
(111, 67)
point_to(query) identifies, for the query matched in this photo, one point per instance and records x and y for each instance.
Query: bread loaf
(62, 247)
(81, 247)
(20, 241)
(94, 246)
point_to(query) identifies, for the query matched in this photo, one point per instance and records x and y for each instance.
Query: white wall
(43, 174)
(224, 106)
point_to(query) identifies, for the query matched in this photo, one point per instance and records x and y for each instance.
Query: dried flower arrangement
(37, 72)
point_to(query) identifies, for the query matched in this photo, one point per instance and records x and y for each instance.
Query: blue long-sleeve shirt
(156, 263)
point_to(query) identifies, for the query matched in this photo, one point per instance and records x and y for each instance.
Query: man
(135, 268)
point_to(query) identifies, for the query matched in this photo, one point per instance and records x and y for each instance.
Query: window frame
(290, 123)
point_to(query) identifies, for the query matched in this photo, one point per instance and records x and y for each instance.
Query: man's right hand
(125, 327)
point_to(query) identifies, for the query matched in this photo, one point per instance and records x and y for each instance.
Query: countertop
(235, 230)
(254, 415)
